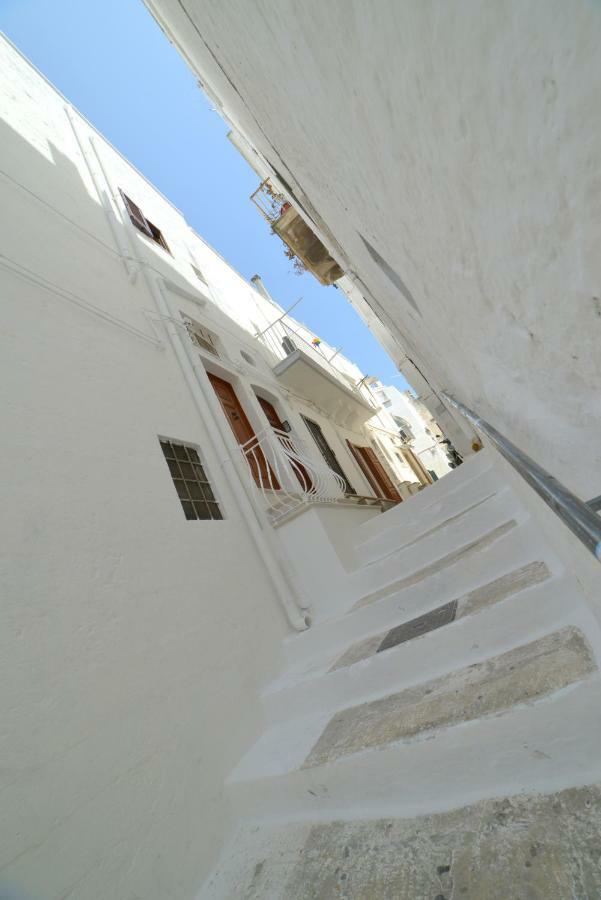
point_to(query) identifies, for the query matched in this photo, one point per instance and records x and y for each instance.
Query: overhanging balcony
(307, 377)
(301, 241)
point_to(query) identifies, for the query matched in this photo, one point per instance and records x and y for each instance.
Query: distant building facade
(417, 427)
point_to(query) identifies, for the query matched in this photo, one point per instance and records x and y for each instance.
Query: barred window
(200, 336)
(191, 481)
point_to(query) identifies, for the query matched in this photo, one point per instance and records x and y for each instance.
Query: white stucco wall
(127, 692)
(460, 140)
(135, 642)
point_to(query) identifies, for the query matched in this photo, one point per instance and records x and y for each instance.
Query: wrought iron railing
(286, 476)
(580, 517)
(270, 203)
(283, 339)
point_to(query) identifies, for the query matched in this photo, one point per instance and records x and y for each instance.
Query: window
(327, 452)
(139, 220)
(405, 430)
(190, 480)
(200, 336)
(288, 346)
(199, 275)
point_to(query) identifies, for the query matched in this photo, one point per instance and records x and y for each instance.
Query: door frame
(261, 469)
(365, 457)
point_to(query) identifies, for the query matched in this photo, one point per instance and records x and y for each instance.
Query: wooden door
(243, 432)
(375, 472)
(303, 477)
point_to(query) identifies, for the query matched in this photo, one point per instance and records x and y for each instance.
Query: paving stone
(522, 848)
(361, 650)
(518, 580)
(519, 675)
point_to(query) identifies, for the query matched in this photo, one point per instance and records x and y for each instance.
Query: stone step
(452, 483)
(453, 610)
(520, 675)
(446, 547)
(528, 846)
(398, 759)
(496, 556)
(445, 511)
(490, 620)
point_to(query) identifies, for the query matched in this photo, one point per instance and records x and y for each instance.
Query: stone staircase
(439, 737)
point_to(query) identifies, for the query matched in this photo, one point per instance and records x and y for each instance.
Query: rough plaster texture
(439, 565)
(133, 651)
(525, 673)
(460, 142)
(533, 847)
(479, 598)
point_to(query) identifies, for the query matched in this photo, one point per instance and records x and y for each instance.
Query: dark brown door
(375, 472)
(243, 432)
(276, 423)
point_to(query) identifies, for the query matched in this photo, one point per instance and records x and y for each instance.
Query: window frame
(142, 224)
(203, 338)
(192, 491)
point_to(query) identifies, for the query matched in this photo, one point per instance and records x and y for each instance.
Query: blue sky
(115, 65)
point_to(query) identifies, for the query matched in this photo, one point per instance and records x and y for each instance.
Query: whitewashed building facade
(141, 564)
(234, 664)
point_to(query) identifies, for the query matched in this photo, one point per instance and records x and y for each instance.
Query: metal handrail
(579, 516)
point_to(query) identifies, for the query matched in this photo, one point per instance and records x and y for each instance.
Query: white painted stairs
(499, 698)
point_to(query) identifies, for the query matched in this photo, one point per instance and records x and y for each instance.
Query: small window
(288, 346)
(200, 336)
(139, 221)
(405, 430)
(191, 481)
(247, 358)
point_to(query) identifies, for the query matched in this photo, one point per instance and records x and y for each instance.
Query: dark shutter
(136, 215)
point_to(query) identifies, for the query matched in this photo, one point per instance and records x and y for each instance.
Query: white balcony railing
(282, 339)
(286, 476)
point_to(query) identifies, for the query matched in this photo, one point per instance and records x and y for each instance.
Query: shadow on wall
(56, 180)
(38, 182)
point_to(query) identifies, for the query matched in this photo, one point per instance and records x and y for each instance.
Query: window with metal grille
(191, 482)
(139, 221)
(200, 336)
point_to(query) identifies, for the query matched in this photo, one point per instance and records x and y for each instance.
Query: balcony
(302, 243)
(310, 374)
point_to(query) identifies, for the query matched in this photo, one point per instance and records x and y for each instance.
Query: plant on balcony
(298, 265)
